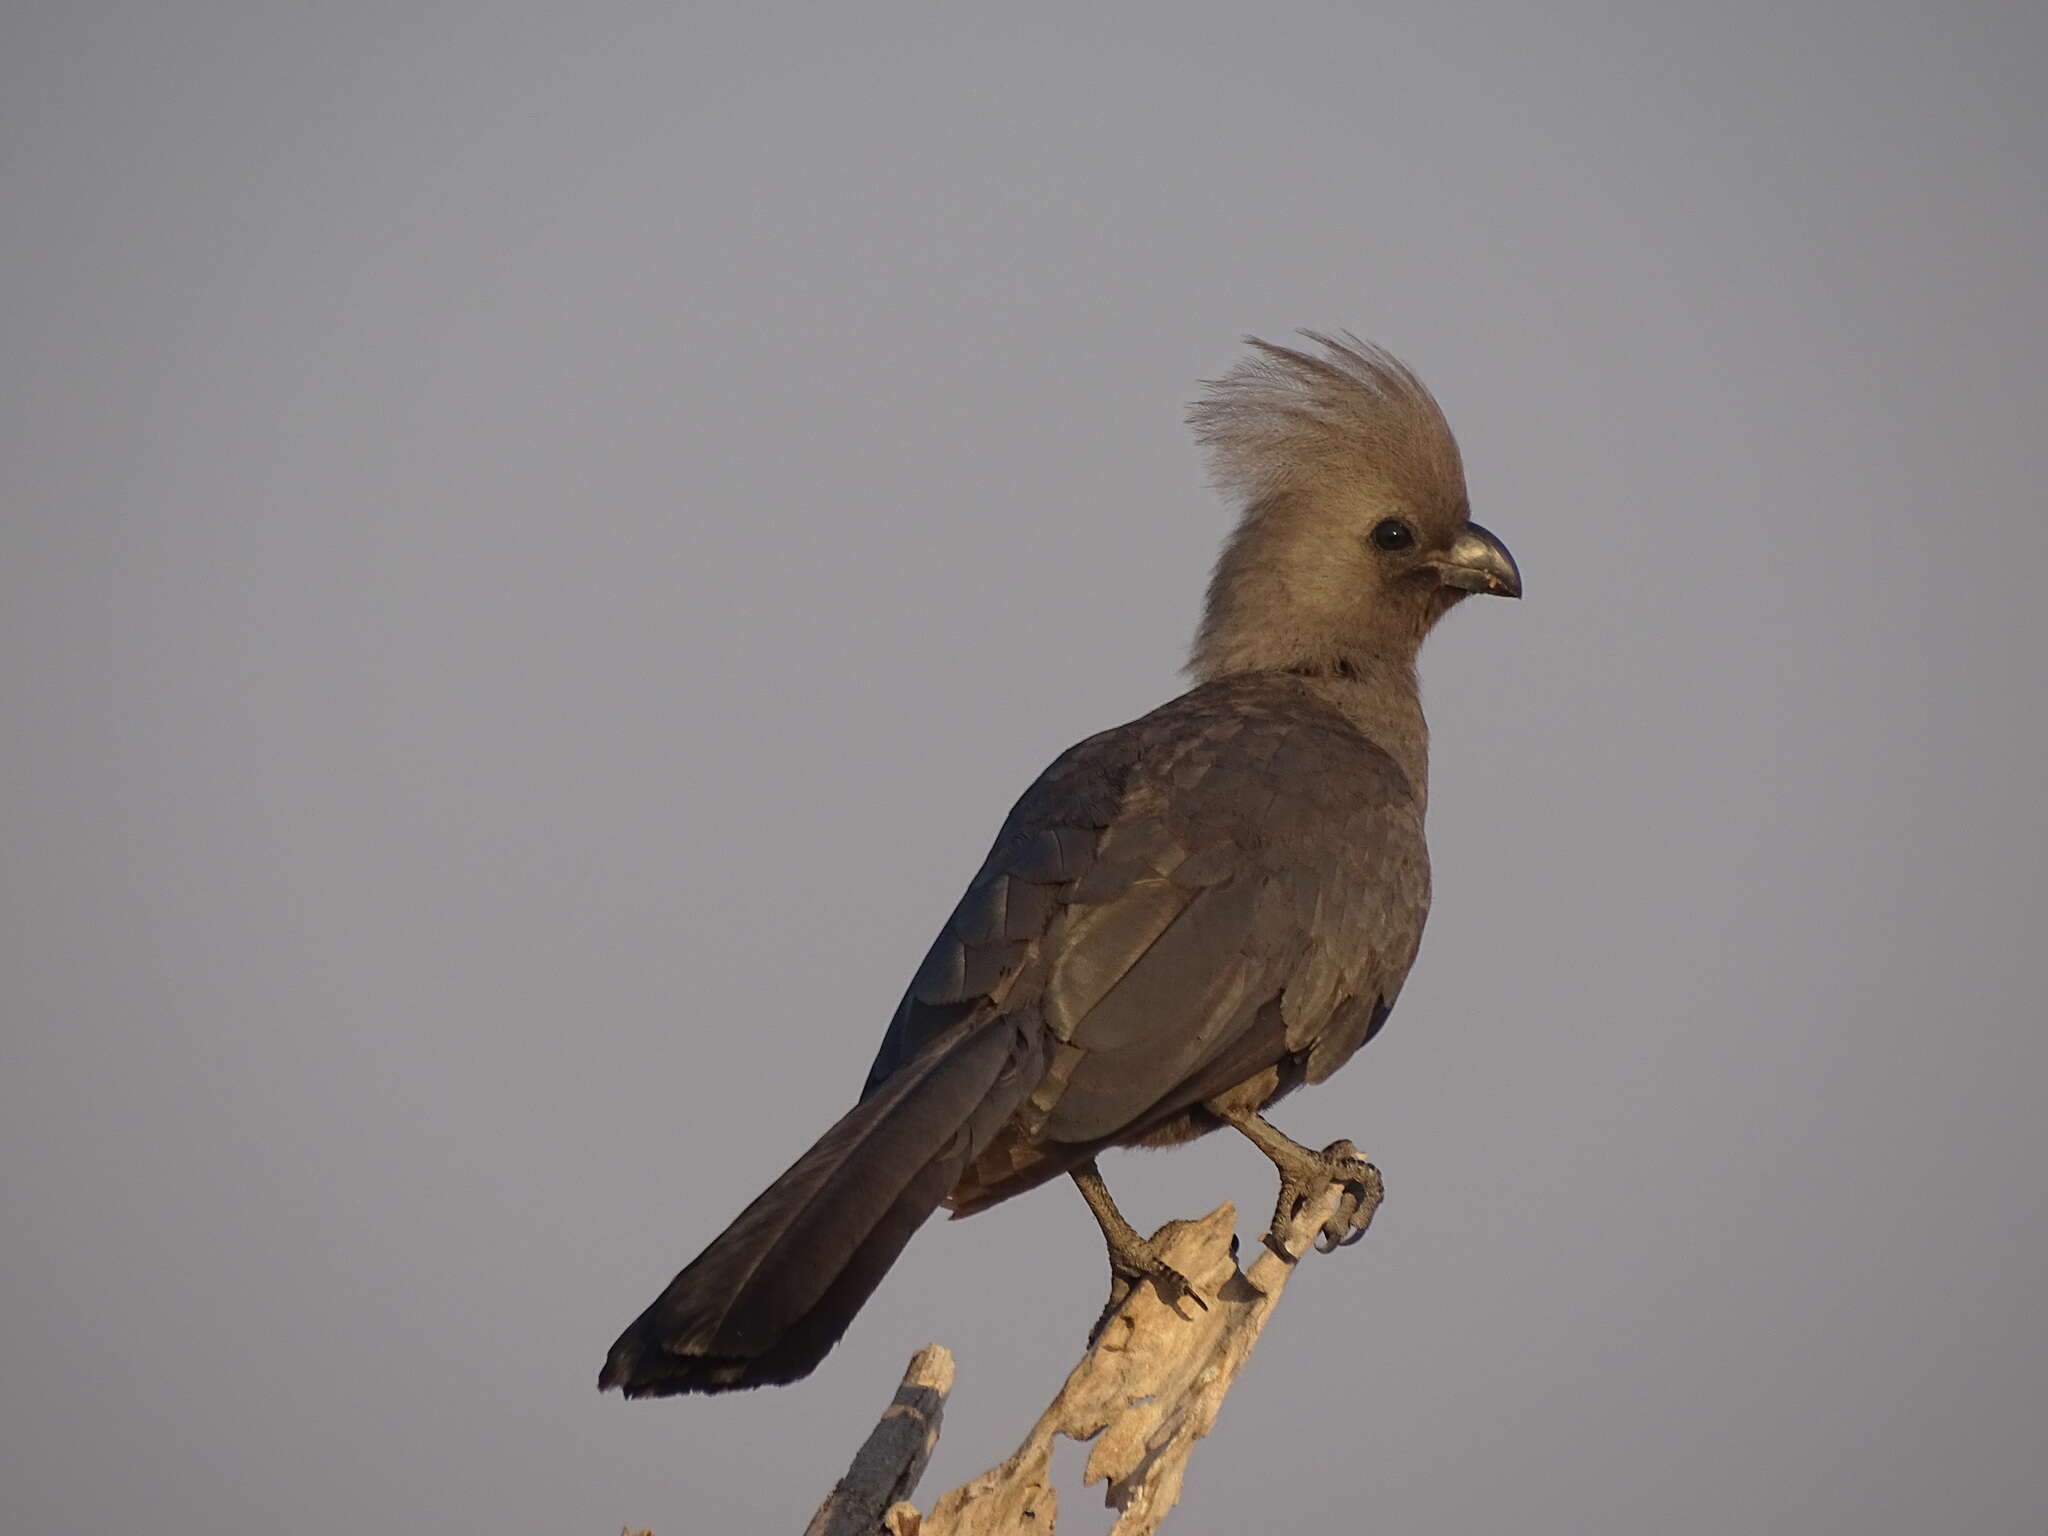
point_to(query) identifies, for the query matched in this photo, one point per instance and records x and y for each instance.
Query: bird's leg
(1304, 1174)
(1132, 1258)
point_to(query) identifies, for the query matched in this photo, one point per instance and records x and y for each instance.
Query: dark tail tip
(776, 1290)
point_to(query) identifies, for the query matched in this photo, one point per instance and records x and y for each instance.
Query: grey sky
(522, 520)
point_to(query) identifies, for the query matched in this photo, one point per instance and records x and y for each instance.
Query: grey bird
(1183, 920)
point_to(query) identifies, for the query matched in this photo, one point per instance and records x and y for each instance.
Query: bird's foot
(1304, 1175)
(1132, 1261)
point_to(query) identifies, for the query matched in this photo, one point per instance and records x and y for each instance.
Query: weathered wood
(1149, 1386)
(893, 1458)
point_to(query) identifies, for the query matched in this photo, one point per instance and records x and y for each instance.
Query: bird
(1182, 920)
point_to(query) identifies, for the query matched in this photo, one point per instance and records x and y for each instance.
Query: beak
(1478, 562)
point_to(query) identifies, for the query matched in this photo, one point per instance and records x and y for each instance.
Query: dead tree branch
(888, 1466)
(1150, 1386)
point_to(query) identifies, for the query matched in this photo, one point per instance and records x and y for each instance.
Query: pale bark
(1149, 1386)
(888, 1466)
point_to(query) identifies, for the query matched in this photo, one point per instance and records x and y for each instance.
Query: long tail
(774, 1291)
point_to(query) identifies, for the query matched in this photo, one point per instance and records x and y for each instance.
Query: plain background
(541, 541)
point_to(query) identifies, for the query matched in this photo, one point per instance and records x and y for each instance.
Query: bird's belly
(1017, 1159)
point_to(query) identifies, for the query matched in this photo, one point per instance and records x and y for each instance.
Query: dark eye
(1393, 534)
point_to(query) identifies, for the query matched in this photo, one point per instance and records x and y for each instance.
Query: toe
(1175, 1287)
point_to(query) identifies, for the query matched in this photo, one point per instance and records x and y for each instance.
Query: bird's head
(1356, 534)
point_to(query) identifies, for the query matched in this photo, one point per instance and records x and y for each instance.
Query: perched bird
(1184, 919)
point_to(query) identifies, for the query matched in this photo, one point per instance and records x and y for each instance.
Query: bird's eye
(1393, 534)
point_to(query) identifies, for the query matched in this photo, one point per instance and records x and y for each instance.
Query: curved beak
(1479, 562)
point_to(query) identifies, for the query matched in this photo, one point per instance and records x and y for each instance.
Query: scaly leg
(1132, 1258)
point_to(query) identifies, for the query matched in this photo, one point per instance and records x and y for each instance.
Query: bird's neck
(1385, 706)
(1382, 701)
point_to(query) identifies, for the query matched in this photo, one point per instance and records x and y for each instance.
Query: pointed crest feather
(1288, 420)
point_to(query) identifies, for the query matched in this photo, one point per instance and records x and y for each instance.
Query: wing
(1048, 842)
(1234, 880)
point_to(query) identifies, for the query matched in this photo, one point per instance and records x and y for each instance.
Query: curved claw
(1187, 1291)
(1354, 1213)
(1338, 1163)
(1173, 1286)
(1307, 1176)
(1329, 1240)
